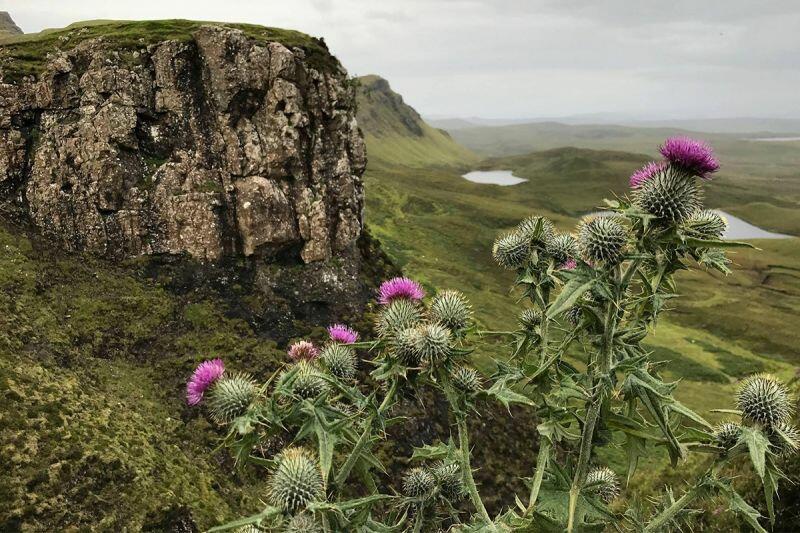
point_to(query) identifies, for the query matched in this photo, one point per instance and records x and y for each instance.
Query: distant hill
(396, 134)
(7, 25)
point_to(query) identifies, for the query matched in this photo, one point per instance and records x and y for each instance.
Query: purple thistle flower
(204, 376)
(569, 264)
(397, 288)
(646, 172)
(342, 334)
(303, 350)
(692, 155)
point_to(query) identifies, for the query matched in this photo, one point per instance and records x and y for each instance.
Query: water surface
(493, 177)
(774, 139)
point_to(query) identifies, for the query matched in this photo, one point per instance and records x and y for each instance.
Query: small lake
(774, 139)
(493, 177)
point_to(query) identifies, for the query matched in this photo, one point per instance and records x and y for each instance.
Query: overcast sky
(526, 58)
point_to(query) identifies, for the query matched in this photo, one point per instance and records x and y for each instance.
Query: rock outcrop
(8, 26)
(215, 145)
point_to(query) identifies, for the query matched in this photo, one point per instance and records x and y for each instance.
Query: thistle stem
(464, 463)
(488, 332)
(541, 465)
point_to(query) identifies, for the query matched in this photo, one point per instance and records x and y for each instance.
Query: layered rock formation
(213, 145)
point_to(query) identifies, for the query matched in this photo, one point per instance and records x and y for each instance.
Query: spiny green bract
(705, 224)
(530, 318)
(466, 379)
(433, 343)
(452, 310)
(763, 399)
(230, 396)
(340, 360)
(406, 346)
(397, 316)
(784, 439)
(727, 434)
(562, 247)
(296, 481)
(308, 383)
(302, 523)
(602, 239)
(608, 487)
(448, 477)
(670, 195)
(248, 529)
(536, 230)
(418, 483)
(511, 250)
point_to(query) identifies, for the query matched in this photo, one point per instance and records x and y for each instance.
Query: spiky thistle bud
(530, 318)
(433, 343)
(765, 400)
(308, 383)
(670, 195)
(448, 477)
(602, 239)
(536, 230)
(230, 396)
(608, 488)
(452, 310)
(511, 250)
(784, 439)
(562, 247)
(418, 483)
(727, 434)
(466, 379)
(303, 523)
(296, 480)
(406, 346)
(574, 315)
(340, 359)
(397, 316)
(705, 224)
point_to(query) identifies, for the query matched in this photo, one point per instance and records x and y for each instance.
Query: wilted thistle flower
(645, 173)
(342, 334)
(340, 359)
(399, 289)
(562, 247)
(397, 316)
(466, 379)
(763, 399)
(690, 155)
(231, 396)
(308, 383)
(530, 318)
(406, 346)
(609, 483)
(511, 250)
(727, 434)
(296, 481)
(669, 195)
(303, 351)
(784, 439)
(418, 483)
(448, 477)
(203, 377)
(452, 310)
(602, 239)
(705, 224)
(433, 342)
(303, 523)
(536, 230)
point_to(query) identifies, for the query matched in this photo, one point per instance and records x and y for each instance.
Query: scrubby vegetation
(597, 294)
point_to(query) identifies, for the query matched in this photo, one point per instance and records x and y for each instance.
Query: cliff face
(7, 25)
(215, 144)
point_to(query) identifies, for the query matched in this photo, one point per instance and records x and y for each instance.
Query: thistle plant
(589, 298)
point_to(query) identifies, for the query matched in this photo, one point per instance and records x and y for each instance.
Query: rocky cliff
(7, 25)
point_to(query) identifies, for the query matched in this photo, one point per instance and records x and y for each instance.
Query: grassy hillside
(397, 135)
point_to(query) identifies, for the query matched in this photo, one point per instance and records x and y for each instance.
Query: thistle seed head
(602, 239)
(308, 383)
(511, 250)
(536, 230)
(670, 195)
(530, 318)
(397, 316)
(406, 346)
(784, 439)
(433, 343)
(230, 396)
(466, 379)
(727, 434)
(341, 361)
(609, 487)
(448, 477)
(303, 523)
(452, 310)
(765, 400)
(296, 481)
(562, 247)
(705, 224)
(418, 483)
